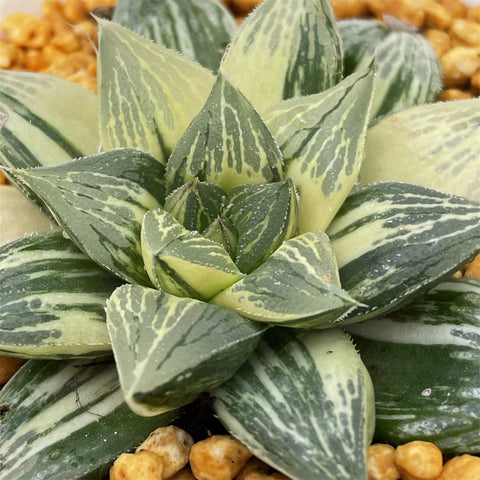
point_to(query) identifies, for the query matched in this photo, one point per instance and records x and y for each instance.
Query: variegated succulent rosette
(224, 215)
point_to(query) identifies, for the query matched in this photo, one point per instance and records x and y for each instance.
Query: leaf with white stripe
(394, 241)
(182, 262)
(263, 216)
(199, 30)
(100, 202)
(284, 50)
(434, 342)
(322, 138)
(45, 120)
(67, 420)
(52, 299)
(303, 404)
(432, 145)
(227, 144)
(221, 231)
(148, 94)
(297, 286)
(170, 349)
(195, 204)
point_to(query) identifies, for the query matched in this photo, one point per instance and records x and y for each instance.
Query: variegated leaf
(284, 50)
(322, 138)
(263, 216)
(434, 342)
(222, 232)
(182, 262)
(67, 420)
(304, 404)
(195, 204)
(394, 241)
(199, 30)
(170, 349)
(52, 299)
(297, 286)
(432, 145)
(44, 120)
(227, 144)
(100, 201)
(148, 93)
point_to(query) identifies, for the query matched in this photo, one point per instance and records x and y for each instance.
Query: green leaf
(303, 404)
(195, 204)
(148, 93)
(199, 30)
(394, 241)
(434, 342)
(182, 262)
(263, 215)
(227, 144)
(67, 420)
(170, 349)
(52, 299)
(297, 286)
(222, 232)
(284, 50)
(432, 145)
(322, 138)
(100, 202)
(44, 120)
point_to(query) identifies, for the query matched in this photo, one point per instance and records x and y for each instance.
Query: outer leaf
(435, 343)
(284, 50)
(52, 299)
(303, 404)
(182, 262)
(263, 217)
(322, 139)
(296, 287)
(395, 240)
(195, 204)
(170, 349)
(432, 145)
(100, 202)
(199, 30)
(227, 144)
(148, 93)
(67, 420)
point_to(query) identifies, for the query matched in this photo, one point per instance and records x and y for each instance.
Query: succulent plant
(218, 241)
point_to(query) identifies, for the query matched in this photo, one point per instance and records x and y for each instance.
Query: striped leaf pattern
(322, 138)
(432, 145)
(401, 58)
(100, 201)
(199, 30)
(303, 404)
(227, 144)
(184, 263)
(222, 232)
(263, 217)
(196, 204)
(170, 349)
(284, 50)
(148, 93)
(297, 286)
(434, 342)
(67, 420)
(52, 299)
(394, 240)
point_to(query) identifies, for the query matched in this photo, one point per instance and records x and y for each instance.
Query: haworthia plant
(303, 404)
(52, 299)
(200, 31)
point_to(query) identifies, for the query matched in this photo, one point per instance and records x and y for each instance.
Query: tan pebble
(472, 270)
(459, 64)
(436, 16)
(450, 94)
(137, 466)
(184, 474)
(172, 444)
(419, 460)
(8, 367)
(253, 464)
(220, 457)
(466, 31)
(381, 462)
(408, 11)
(464, 467)
(439, 40)
(349, 8)
(473, 14)
(456, 8)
